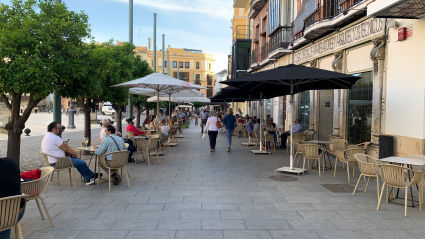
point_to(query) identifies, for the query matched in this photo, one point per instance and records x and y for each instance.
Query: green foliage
(141, 69)
(198, 104)
(218, 93)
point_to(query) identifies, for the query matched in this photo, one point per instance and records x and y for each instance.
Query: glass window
(174, 64)
(360, 109)
(165, 64)
(304, 109)
(186, 65)
(197, 65)
(180, 64)
(198, 79)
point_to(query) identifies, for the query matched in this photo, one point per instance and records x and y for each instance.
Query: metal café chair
(9, 214)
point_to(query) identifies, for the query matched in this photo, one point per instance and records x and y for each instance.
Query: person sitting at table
(105, 122)
(257, 128)
(271, 128)
(10, 185)
(249, 126)
(112, 143)
(131, 128)
(246, 117)
(146, 122)
(151, 125)
(182, 115)
(295, 129)
(160, 117)
(54, 146)
(240, 119)
(164, 129)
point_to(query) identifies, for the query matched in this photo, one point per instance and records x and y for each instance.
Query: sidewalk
(193, 193)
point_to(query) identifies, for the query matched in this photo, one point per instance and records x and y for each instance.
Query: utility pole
(163, 53)
(130, 38)
(57, 117)
(154, 42)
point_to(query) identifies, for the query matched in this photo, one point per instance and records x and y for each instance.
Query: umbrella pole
(261, 151)
(169, 106)
(157, 102)
(291, 163)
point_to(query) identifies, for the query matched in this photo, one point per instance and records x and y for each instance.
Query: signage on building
(353, 35)
(402, 34)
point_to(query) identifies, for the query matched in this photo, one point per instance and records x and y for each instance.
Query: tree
(198, 104)
(141, 103)
(37, 39)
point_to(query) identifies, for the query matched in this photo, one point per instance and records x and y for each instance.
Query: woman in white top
(211, 126)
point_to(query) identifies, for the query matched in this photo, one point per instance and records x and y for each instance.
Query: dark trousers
(283, 138)
(213, 138)
(130, 147)
(204, 122)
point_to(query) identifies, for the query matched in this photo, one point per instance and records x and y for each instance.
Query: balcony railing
(241, 32)
(255, 56)
(280, 39)
(265, 51)
(345, 4)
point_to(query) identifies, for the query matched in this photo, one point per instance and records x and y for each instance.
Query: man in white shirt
(54, 146)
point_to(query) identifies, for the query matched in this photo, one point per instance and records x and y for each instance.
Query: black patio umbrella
(289, 80)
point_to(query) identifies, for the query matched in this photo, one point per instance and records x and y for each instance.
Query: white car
(108, 110)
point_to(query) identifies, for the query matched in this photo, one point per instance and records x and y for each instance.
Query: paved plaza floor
(193, 193)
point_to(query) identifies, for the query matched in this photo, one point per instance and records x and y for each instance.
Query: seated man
(257, 128)
(112, 143)
(10, 185)
(295, 129)
(271, 128)
(249, 126)
(182, 115)
(105, 122)
(54, 146)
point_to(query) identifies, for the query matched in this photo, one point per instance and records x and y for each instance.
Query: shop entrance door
(326, 106)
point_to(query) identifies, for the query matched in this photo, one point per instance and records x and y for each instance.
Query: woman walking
(211, 126)
(229, 121)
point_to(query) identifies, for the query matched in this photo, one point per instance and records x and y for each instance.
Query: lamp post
(130, 38)
(57, 117)
(163, 53)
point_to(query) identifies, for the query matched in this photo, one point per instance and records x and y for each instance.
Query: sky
(196, 24)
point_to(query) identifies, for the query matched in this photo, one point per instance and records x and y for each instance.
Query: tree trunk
(87, 125)
(118, 110)
(147, 111)
(138, 113)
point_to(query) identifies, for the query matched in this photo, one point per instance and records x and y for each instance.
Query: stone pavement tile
(220, 207)
(159, 215)
(203, 234)
(319, 215)
(201, 188)
(171, 188)
(102, 234)
(416, 233)
(201, 199)
(188, 183)
(234, 200)
(280, 194)
(151, 235)
(332, 207)
(384, 234)
(158, 183)
(272, 184)
(217, 194)
(223, 225)
(166, 225)
(54, 193)
(98, 224)
(185, 193)
(117, 215)
(95, 199)
(215, 184)
(69, 207)
(257, 207)
(33, 214)
(294, 234)
(86, 194)
(107, 207)
(259, 215)
(226, 179)
(230, 188)
(52, 234)
(354, 224)
(137, 188)
(165, 200)
(132, 225)
(310, 224)
(244, 184)
(200, 215)
(360, 214)
(145, 207)
(202, 179)
(182, 207)
(315, 194)
(69, 215)
(291, 189)
(336, 200)
(398, 224)
(247, 234)
(342, 234)
(269, 200)
(153, 194)
(266, 224)
(119, 193)
(291, 199)
(261, 189)
(60, 199)
(293, 207)
(129, 200)
(249, 194)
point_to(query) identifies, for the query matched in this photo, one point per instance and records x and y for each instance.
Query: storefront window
(304, 109)
(360, 109)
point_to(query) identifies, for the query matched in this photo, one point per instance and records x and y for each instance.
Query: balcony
(410, 9)
(256, 6)
(209, 80)
(241, 32)
(280, 39)
(240, 3)
(255, 57)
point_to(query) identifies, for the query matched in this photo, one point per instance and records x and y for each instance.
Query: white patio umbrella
(179, 99)
(160, 83)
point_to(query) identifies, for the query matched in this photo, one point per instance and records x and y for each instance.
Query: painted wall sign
(353, 35)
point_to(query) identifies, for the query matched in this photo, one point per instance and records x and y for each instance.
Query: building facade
(188, 65)
(372, 39)
(219, 77)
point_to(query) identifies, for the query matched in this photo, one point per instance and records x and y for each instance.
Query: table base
(248, 144)
(289, 170)
(260, 152)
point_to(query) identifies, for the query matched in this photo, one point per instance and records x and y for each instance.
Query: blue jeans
(82, 168)
(229, 135)
(6, 234)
